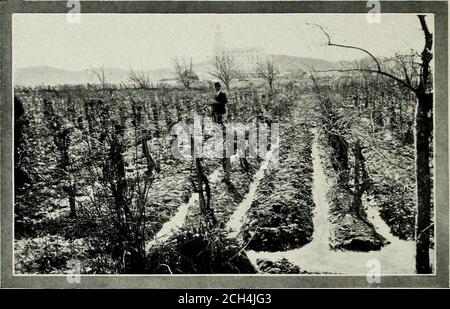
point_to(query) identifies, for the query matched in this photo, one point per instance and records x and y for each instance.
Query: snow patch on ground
(177, 221)
(237, 218)
(397, 257)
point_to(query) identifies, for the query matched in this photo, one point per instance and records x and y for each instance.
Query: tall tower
(218, 42)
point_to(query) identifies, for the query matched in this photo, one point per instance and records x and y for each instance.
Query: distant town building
(246, 59)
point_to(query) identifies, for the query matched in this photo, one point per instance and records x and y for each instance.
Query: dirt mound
(282, 266)
(351, 233)
(198, 250)
(348, 231)
(280, 217)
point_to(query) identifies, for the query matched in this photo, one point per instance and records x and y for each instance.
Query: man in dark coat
(218, 110)
(219, 106)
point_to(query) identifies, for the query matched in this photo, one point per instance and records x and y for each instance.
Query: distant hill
(292, 64)
(45, 75)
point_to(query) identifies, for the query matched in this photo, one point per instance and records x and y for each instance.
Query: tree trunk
(361, 179)
(72, 199)
(401, 120)
(201, 196)
(118, 181)
(204, 202)
(245, 166)
(226, 165)
(340, 160)
(156, 122)
(151, 164)
(355, 100)
(423, 219)
(357, 189)
(71, 190)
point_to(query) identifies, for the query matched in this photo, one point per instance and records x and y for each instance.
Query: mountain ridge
(52, 76)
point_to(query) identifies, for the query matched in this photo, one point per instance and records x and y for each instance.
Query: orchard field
(97, 185)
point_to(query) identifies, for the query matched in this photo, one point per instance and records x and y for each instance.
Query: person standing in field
(219, 106)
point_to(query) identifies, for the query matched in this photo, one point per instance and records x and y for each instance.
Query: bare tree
(224, 69)
(119, 199)
(268, 72)
(100, 75)
(422, 88)
(140, 79)
(184, 71)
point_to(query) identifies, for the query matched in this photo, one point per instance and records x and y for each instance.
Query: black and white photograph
(261, 145)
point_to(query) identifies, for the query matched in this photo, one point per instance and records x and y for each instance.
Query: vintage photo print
(299, 144)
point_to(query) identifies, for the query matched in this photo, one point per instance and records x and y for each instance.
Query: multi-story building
(245, 59)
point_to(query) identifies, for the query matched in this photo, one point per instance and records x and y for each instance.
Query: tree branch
(329, 43)
(426, 55)
(399, 80)
(378, 71)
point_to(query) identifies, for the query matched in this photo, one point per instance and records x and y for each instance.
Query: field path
(236, 220)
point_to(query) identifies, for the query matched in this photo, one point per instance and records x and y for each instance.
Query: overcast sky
(151, 41)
